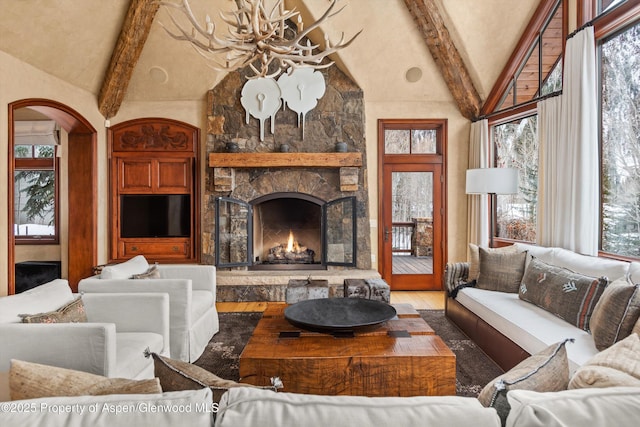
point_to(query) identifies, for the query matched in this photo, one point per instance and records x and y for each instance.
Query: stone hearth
(247, 286)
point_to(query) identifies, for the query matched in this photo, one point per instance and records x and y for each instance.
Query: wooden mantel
(283, 160)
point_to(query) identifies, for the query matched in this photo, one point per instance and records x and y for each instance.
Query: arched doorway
(82, 182)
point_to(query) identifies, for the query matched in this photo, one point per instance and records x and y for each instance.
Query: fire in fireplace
(290, 253)
(287, 229)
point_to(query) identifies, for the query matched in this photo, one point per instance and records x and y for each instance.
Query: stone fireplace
(242, 187)
(256, 183)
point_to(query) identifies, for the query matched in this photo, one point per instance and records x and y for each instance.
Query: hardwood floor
(421, 300)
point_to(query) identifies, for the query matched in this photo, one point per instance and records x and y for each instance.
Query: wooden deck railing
(401, 233)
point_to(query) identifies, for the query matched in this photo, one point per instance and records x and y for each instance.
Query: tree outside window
(35, 194)
(620, 62)
(516, 144)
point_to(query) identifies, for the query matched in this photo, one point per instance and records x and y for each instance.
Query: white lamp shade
(492, 181)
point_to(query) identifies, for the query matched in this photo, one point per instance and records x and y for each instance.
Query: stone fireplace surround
(338, 117)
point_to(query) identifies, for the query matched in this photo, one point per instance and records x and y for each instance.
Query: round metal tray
(331, 314)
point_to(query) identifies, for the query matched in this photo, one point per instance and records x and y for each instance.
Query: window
(540, 72)
(516, 145)
(513, 119)
(607, 5)
(410, 141)
(35, 189)
(620, 144)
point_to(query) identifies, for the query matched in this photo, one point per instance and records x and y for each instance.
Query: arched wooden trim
(83, 245)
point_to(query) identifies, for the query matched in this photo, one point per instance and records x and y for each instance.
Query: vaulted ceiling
(467, 42)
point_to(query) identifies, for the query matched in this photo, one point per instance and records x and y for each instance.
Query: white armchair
(192, 298)
(112, 343)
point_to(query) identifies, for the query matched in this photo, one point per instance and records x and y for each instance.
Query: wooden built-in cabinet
(154, 188)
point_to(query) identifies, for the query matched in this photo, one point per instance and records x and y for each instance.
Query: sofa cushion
(130, 353)
(191, 408)
(175, 375)
(72, 312)
(545, 371)
(619, 365)
(569, 295)
(124, 270)
(616, 406)
(527, 325)
(32, 380)
(244, 406)
(616, 313)
(501, 271)
(47, 297)
(474, 258)
(545, 253)
(590, 265)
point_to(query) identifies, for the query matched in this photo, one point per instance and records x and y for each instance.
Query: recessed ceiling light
(158, 74)
(413, 74)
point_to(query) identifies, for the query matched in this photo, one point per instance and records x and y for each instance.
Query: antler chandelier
(256, 38)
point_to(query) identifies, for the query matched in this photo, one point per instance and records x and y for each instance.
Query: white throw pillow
(592, 407)
(47, 297)
(124, 270)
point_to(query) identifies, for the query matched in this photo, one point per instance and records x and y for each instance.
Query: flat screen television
(155, 215)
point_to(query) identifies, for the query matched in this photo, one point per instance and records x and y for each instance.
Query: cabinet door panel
(135, 175)
(174, 175)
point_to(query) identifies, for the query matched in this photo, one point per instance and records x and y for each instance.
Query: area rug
(473, 368)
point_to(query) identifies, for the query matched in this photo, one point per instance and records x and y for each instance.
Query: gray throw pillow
(543, 372)
(474, 258)
(570, 296)
(500, 271)
(615, 314)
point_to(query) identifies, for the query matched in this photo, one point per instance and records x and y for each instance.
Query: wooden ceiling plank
(126, 53)
(446, 56)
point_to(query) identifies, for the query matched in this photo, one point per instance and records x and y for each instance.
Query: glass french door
(411, 226)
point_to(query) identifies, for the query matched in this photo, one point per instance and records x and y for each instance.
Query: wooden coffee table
(401, 357)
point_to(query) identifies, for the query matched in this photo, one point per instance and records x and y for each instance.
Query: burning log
(290, 253)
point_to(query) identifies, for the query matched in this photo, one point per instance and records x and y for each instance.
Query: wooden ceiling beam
(446, 55)
(126, 53)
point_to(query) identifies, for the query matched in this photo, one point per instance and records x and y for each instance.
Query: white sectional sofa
(248, 407)
(192, 298)
(509, 329)
(111, 343)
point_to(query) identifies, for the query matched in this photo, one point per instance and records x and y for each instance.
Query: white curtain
(477, 207)
(569, 184)
(549, 138)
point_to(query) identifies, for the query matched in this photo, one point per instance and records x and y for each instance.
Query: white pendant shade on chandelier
(263, 41)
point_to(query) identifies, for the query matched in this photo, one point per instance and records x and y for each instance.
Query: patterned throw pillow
(501, 271)
(176, 375)
(615, 314)
(543, 372)
(570, 296)
(151, 273)
(32, 380)
(72, 312)
(474, 258)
